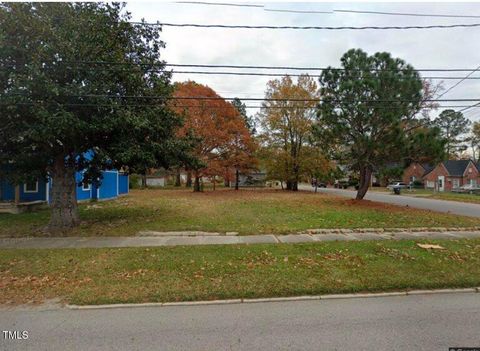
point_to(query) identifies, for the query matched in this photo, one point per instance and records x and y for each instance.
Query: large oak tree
(59, 102)
(287, 117)
(224, 139)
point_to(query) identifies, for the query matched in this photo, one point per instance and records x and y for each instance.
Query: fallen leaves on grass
(430, 246)
(394, 253)
(132, 274)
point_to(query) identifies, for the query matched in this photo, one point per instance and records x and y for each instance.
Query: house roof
(427, 167)
(456, 167)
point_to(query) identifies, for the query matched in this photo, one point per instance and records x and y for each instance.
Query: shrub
(134, 181)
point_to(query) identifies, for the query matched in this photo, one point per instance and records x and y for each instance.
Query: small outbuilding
(28, 196)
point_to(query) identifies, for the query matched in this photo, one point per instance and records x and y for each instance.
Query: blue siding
(8, 191)
(40, 195)
(123, 183)
(82, 194)
(109, 187)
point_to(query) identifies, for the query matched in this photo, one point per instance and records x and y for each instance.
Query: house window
(455, 183)
(86, 186)
(30, 187)
(473, 182)
(430, 184)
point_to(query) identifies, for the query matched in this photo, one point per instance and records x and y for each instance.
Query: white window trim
(25, 191)
(87, 188)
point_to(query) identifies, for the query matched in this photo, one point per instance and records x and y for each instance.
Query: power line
(459, 82)
(469, 107)
(214, 98)
(303, 68)
(298, 11)
(306, 68)
(334, 11)
(186, 106)
(406, 14)
(229, 26)
(217, 4)
(288, 74)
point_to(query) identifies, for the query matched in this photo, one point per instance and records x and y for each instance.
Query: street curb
(442, 291)
(362, 295)
(276, 299)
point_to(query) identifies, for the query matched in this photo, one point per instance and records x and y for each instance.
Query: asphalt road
(455, 207)
(416, 322)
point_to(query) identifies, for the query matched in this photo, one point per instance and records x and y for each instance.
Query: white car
(468, 188)
(396, 185)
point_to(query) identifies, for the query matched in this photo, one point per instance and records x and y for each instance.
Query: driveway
(458, 208)
(416, 322)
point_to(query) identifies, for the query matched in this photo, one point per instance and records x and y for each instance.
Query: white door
(441, 183)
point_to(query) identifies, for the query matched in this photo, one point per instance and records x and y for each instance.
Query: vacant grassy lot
(244, 211)
(97, 276)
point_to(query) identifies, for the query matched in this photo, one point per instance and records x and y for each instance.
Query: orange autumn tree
(225, 141)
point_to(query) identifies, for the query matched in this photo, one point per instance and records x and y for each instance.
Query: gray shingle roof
(427, 167)
(456, 167)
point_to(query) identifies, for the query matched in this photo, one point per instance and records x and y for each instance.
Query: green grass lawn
(472, 198)
(244, 211)
(98, 276)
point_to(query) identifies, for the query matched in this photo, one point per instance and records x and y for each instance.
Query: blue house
(26, 196)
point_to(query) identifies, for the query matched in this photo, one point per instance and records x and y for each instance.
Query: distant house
(155, 178)
(252, 179)
(452, 174)
(26, 196)
(415, 172)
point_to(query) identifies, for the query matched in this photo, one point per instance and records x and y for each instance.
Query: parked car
(397, 184)
(341, 185)
(467, 189)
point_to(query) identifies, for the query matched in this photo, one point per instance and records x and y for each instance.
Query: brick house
(452, 174)
(416, 172)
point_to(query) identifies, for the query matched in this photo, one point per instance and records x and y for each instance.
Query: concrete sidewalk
(144, 241)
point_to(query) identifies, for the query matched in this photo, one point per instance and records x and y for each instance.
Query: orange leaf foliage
(225, 139)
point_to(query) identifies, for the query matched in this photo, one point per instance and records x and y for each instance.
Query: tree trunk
(288, 185)
(365, 176)
(226, 180)
(196, 185)
(213, 181)
(144, 181)
(296, 176)
(237, 178)
(188, 183)
(17, 194)
(63, 198)
(178, 181)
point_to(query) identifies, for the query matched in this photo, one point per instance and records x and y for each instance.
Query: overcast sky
(432, 48)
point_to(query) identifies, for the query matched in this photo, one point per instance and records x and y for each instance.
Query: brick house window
(455, 183)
